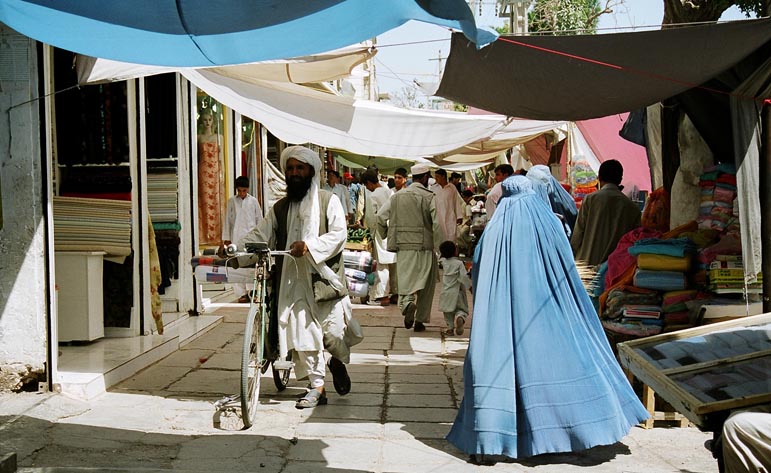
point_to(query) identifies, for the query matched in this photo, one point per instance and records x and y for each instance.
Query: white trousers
(747, 441)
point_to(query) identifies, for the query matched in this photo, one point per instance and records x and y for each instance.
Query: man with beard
(312, 226)
(409, 222)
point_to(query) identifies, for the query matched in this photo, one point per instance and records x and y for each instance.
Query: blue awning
(199, 33)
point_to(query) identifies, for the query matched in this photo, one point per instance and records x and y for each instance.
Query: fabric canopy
(602, 136)
(518, 131)
(205, 33)
(297, 114)
(317, 68)
(590, 76)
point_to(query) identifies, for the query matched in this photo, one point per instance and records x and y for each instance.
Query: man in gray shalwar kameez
(409, 222)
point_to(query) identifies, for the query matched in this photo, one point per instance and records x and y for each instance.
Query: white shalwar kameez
(375, 201)
(449, 208)
(298, 329)
(241, 215)
(304, 326)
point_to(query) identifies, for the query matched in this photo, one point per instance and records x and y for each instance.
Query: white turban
(310, 209)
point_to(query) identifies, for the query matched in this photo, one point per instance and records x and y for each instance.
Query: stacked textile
(718, 193)
(584, 181)
(82, 224)
(675, 308)
(662, 264)
(359, 272)
(726, 275)
(633, 311)
(162, 194)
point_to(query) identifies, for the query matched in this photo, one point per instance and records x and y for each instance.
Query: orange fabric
(656, 212)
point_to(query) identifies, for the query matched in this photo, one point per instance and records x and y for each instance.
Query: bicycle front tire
(251, 362)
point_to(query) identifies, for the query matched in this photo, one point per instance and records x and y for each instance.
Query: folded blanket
(664, 262)
(670, 247)
(660, 280)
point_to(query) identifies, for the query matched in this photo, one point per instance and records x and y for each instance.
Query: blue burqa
(539, 375)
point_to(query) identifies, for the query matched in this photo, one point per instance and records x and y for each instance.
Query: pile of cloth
(360, 273)
(584, 181)
(647, 282)
(718, 195)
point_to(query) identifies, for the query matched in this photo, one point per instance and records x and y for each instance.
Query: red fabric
(620, 260)
(602, 136)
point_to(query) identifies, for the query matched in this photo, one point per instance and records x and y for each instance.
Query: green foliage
(564, 16)
(758, 7)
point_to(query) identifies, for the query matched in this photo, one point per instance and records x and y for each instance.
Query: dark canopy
(590, 76)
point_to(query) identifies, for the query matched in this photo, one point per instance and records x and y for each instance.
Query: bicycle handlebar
(231, 251)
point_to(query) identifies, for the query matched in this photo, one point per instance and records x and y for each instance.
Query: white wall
(22, 244)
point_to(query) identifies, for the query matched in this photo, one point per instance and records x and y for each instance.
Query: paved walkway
(406, 390)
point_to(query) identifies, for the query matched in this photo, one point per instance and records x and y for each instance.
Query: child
(455, 282)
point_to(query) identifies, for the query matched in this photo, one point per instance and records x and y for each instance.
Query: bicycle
(256, 354)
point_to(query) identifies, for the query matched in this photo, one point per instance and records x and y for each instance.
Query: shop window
(211, 169)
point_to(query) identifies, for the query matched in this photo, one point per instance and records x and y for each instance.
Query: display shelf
(705, 372)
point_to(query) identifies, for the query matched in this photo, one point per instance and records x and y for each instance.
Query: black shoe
(419, 327)
(340, 378)
(409, 314)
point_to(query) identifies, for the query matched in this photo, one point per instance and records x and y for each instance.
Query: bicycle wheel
(281, 376)
(252, 359)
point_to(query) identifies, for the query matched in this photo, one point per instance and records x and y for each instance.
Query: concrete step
(86, 371)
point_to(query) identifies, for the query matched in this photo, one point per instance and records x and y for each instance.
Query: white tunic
(449, 208)
(241, 216)
(300, 317)
(375, 201)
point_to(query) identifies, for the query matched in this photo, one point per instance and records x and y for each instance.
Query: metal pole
(765, 202)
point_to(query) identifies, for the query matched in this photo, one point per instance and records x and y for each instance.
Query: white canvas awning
(297, 114)
(316, 68)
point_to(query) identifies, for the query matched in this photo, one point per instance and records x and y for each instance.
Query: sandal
(312, 399)
(243, 299)
(340, 378)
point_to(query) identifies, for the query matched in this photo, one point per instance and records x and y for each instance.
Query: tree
(407, 97)
(568, 16)
(692, 11)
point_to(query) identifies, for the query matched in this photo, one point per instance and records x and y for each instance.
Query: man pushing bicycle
(313, 307)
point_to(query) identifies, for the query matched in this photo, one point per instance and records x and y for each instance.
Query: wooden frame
(669, 382)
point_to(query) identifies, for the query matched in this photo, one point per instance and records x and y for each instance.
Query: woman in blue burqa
(539, 375)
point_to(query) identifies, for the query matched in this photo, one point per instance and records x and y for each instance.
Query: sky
(409, 53)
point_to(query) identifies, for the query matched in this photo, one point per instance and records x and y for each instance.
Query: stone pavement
(406, 389)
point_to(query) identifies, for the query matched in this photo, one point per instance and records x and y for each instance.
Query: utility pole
(516, 11)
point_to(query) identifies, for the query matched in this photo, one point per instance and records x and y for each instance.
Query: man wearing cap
(334, 186)
(310, 223)
(409, 222)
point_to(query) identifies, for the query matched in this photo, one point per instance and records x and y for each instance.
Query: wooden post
(765, 202)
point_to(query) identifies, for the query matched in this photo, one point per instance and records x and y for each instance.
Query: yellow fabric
(156, 306)
(663, 262)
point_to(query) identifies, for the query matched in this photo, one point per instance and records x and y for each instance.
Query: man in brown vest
(312, 226)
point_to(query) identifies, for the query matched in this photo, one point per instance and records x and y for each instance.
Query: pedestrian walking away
(539, 375)
(409, 222)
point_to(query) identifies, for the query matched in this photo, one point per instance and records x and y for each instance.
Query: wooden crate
(356, 246)
(704, 372)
